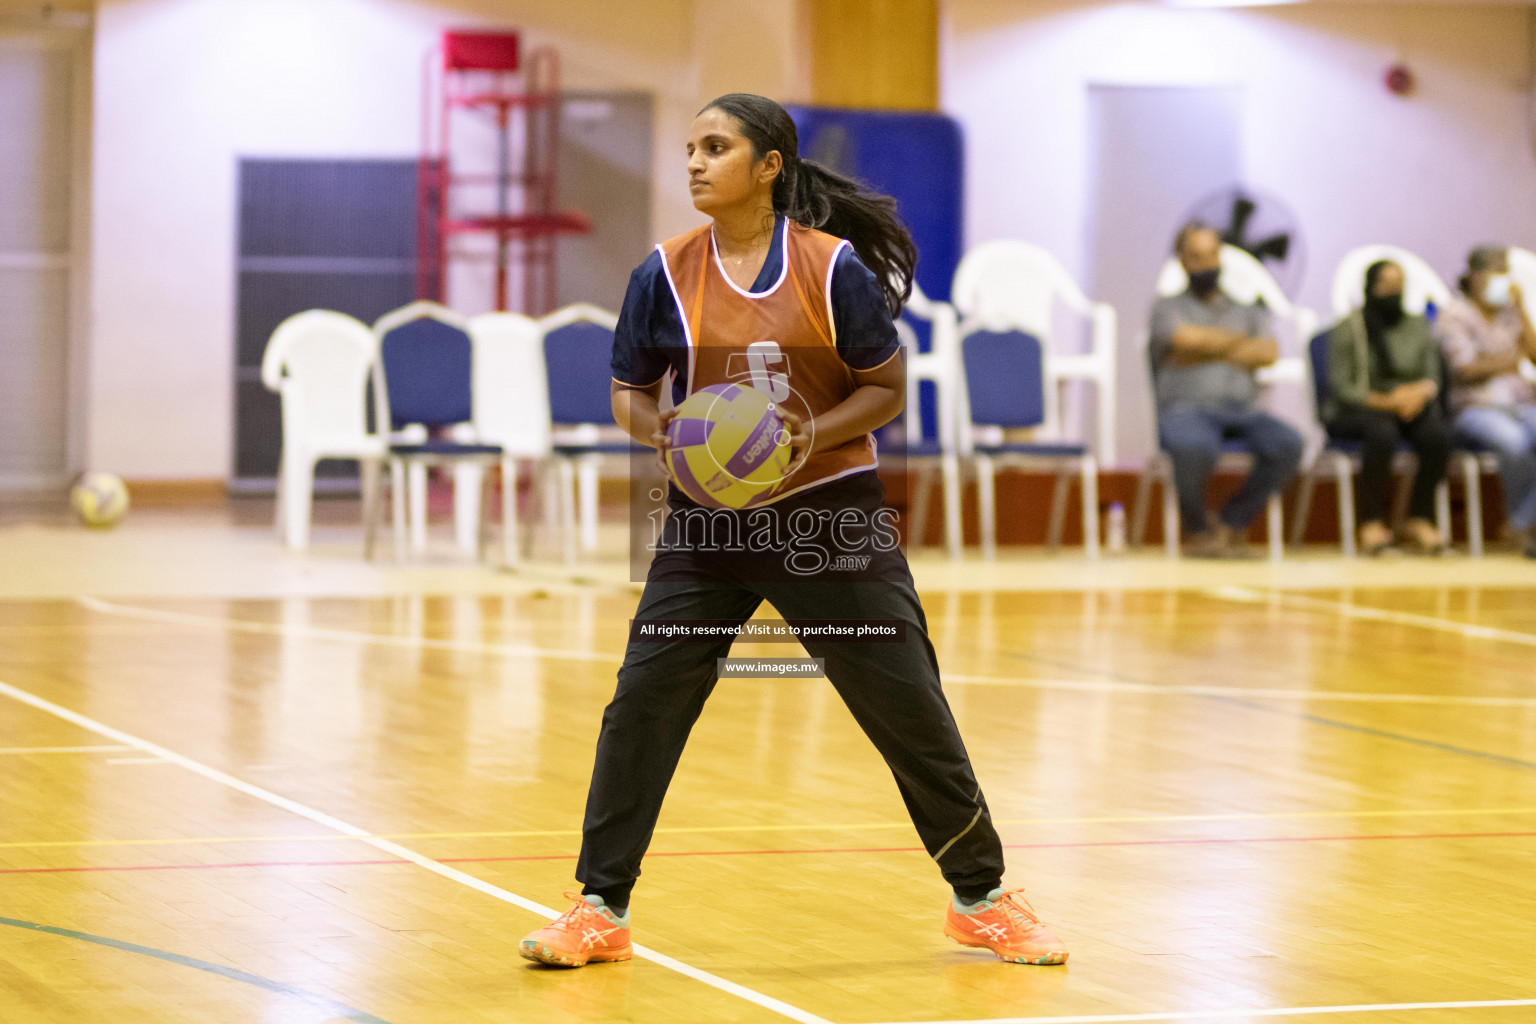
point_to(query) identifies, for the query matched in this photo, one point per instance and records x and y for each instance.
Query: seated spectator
(1383, 381)
(1485, 332)
(1205, 349)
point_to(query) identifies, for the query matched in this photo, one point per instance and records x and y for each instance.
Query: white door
(1155, 151)
(40, 94)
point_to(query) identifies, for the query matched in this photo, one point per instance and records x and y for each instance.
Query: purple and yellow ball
(729, 448)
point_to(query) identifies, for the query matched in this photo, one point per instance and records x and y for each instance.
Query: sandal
(1375, 540)
(1423, 538)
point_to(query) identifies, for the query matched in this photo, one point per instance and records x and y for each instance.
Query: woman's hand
(1410, 399)
(661, 441)
(801, 439)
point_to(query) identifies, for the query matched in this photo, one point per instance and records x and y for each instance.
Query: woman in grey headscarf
(1486, 332)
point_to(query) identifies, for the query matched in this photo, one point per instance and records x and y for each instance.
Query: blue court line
(341, 1010)
(1448, 748)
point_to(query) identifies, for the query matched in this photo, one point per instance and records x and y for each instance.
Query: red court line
(761, 853)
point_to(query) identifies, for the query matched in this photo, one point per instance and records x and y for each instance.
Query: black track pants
(892, 689)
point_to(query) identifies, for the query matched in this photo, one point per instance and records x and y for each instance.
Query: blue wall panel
(918, 159)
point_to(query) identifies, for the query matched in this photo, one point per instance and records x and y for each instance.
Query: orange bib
(781, 341)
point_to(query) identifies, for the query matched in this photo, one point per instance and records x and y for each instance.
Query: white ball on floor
(99, 499)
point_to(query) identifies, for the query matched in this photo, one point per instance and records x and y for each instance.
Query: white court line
(1069, 685)
(112, 749)
(95, 604)
(137, 760)
(1354, 611)
(1256, 693)
(393, 849)
(1281, 1011)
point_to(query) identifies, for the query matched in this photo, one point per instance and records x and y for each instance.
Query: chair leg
(1275, 515)
(1344, 473)
(1058, 506)
(986, 501)
(468, 481)
(954, 537)
(917, 505)
(1141, 504)
(297, 497)
(397, 488)
(587, 476)
(483, 502)
(1304, 493)
(1400, 499)
(550, 480)
(368, 470)
(509, 512)
(417, 476)
(1171, 526)
(1443, 510)
(568, 527)
(277, 509)
(1472, 473)
(1090, 473)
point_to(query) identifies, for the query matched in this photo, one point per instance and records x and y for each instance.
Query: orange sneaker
(1007, 925)
(588, 931)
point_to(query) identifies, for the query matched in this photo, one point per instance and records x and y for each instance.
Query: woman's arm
(880, 396)
(1527, 332)
(638, 411)
(1347, 378)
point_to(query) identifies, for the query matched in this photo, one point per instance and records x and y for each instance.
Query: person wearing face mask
(1485, 333)
(1383, 381)
(1205, 347)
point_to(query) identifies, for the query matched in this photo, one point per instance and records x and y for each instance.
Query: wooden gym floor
(240, 785)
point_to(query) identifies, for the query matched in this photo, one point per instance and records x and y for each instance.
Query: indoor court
(336, 337)
(361, 800)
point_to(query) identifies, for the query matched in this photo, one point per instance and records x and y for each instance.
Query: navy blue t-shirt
(650, 340)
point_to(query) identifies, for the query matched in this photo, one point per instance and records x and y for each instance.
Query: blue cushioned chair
(937, 451)
(578, 349)
(422, 379)
(1005, 388)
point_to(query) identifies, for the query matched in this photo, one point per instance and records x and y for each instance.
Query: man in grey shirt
(1205, 349)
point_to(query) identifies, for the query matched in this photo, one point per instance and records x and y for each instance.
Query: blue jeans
(1193, 439)
(1510, 433)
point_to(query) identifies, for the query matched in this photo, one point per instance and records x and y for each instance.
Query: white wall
(1436, 172)
(184, 88)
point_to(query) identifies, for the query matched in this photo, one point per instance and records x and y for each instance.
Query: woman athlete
(791, 288)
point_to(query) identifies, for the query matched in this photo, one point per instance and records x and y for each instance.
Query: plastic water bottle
(1114, 530)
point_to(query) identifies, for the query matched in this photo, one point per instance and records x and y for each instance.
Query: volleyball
(99, 499)
(728, 446)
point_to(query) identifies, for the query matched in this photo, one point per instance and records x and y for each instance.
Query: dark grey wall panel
(328, 208)
(314, 234)
(267, 299)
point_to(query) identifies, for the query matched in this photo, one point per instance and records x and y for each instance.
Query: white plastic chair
(1522, 267)
(319, 363)
(1010, 284)
(1243, 278)
(1421, 284)
(940, 366)
(511, 405)
(581, 449)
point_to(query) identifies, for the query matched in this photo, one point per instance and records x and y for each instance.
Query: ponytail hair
(818, 197)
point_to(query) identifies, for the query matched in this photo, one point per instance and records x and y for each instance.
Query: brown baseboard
(177, 493)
